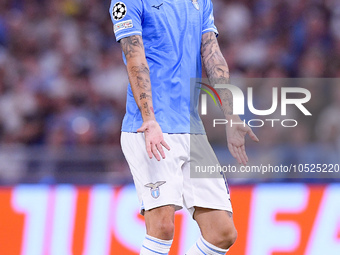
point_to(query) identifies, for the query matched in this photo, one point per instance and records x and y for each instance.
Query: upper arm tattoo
(132, 45)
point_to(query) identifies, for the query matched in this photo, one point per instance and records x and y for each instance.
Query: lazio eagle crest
(154, 188)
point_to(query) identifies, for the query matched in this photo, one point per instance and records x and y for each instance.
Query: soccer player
(164, 43)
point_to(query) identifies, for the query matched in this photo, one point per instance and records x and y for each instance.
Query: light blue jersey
(171, 32)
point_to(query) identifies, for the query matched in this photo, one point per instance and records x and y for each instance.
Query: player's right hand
(154, 140)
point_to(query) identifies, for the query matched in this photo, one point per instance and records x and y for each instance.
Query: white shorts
(168, 182)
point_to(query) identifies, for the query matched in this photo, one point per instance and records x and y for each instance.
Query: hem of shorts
(165, 132)
(178, 206)
(210, 206)
(132, 128)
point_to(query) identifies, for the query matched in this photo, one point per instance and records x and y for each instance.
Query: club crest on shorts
(154, 188)
(196, 5)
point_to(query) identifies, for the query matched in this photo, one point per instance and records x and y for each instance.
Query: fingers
(234, 152)
(239, 153)
(165, 145)
(253, 136)
(160, 149)
(155, 152)
(243, 156)
(153, 139)
(231, 149)
(148, 149)
(243, 149)
(156, 149)
(238, 158)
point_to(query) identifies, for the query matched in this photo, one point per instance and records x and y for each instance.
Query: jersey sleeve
(208, 18)
(126, 16)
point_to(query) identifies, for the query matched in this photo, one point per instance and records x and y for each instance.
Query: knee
(164, 229)
(160, 226)
(225, 237)
(160, 222)
(167, 229)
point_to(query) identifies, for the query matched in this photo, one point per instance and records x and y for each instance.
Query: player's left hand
(236, 140)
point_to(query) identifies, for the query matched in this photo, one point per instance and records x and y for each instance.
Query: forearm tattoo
(216, 69)
(139, 73)
(146, 109)
(144, 96)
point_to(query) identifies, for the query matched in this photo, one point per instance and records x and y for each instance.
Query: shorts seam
(155, 205)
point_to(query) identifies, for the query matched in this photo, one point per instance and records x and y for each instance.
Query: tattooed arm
(139, 77)
(138, 72)
(217, 70)
(218, 73)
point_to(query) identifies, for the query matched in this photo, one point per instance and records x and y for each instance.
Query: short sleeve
(126, 18)
(208, 18)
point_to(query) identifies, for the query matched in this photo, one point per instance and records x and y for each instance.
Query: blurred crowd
(63, 82)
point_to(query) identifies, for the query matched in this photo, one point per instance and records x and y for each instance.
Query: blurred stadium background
(65, 186)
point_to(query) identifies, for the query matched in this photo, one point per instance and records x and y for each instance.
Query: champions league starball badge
(119, 11)
(195, 3)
